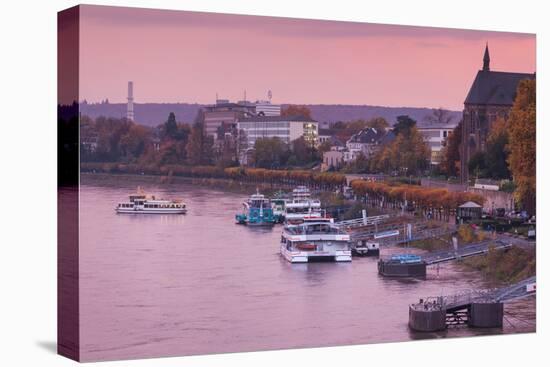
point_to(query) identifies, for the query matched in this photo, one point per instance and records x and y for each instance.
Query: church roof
(495, 87)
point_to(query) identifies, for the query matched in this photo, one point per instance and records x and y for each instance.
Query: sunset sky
(175, 56)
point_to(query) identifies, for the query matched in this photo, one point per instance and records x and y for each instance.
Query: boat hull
(150, 211)
(315, 256)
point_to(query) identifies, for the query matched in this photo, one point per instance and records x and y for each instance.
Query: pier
(393, 230)
(415, 266)
(481, 309)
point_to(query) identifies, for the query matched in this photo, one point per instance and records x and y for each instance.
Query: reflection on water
(198, 283)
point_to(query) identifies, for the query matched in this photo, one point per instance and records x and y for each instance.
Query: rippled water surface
(159, 285)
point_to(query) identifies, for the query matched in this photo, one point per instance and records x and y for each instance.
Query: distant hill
(152, 114)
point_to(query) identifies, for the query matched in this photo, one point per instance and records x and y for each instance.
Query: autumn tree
(134, 142)
(296, 110)
(522, 144)
(450, 163)
(378, 123)
(408, 153)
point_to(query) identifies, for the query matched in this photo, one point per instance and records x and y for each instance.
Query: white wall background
(28, 181)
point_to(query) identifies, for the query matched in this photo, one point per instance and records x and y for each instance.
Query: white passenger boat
(316, 239)
(141, 203)
(302, 206)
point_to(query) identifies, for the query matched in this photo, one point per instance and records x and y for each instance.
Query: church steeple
(486, 58)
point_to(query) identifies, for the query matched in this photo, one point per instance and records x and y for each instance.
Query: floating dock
(395, 266)
(478, 309)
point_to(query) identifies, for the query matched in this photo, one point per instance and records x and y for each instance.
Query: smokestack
(130, 107)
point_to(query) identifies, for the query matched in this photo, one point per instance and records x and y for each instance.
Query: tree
(303, 151)
(476, 165)
(439, 116)
(378, 123)
(408, 153)
(269, 152)
(353, 127)
(403, 125)
(171, 126)
(296, 110)
(325, 147)
(450, 163)
(496, 155)
(134, 142)
(199, 146)
(522, 144)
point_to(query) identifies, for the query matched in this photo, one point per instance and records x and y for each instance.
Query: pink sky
(176, 56)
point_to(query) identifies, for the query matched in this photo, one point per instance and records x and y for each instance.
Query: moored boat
(365, 248)
(315, 239)
(142, 203)
(257, 211)
(302, 206)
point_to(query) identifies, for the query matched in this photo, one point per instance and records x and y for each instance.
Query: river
(165, 285)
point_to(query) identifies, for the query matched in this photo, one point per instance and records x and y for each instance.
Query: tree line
(441, 203)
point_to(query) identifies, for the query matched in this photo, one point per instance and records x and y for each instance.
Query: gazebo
(468, 211)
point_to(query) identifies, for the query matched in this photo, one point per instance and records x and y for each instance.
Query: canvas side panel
(68, 341)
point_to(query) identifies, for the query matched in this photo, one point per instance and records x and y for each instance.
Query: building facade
(333, 159)
(491, 96)
(224, 115)
(366, 142)
(435, 136)
(286, 128)
(266, 108)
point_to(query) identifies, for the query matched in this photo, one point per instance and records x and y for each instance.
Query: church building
(491, 96)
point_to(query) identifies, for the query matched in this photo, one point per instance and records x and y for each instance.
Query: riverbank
(328, 181)
(504, 267)
(497, 267)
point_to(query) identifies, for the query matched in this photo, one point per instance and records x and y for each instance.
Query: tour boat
(141, 203)
(315, 239)
(278, 204)
(365, 248)
(257, 211)
(302, 206)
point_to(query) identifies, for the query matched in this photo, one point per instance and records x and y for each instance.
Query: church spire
(486, 58)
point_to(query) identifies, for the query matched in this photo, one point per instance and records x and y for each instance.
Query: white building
(265, 108)
(367, 142)
(435, 136)
(286, 128)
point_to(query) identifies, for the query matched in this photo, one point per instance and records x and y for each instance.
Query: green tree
(200, 145)
(269, 152)
(171, 126)
(404, 125)
(496, 155)
(477, 165)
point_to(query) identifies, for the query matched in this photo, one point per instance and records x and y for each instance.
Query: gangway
(477, 308)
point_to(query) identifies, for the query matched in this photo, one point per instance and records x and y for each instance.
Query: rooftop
(276, 118)
(495, 87)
